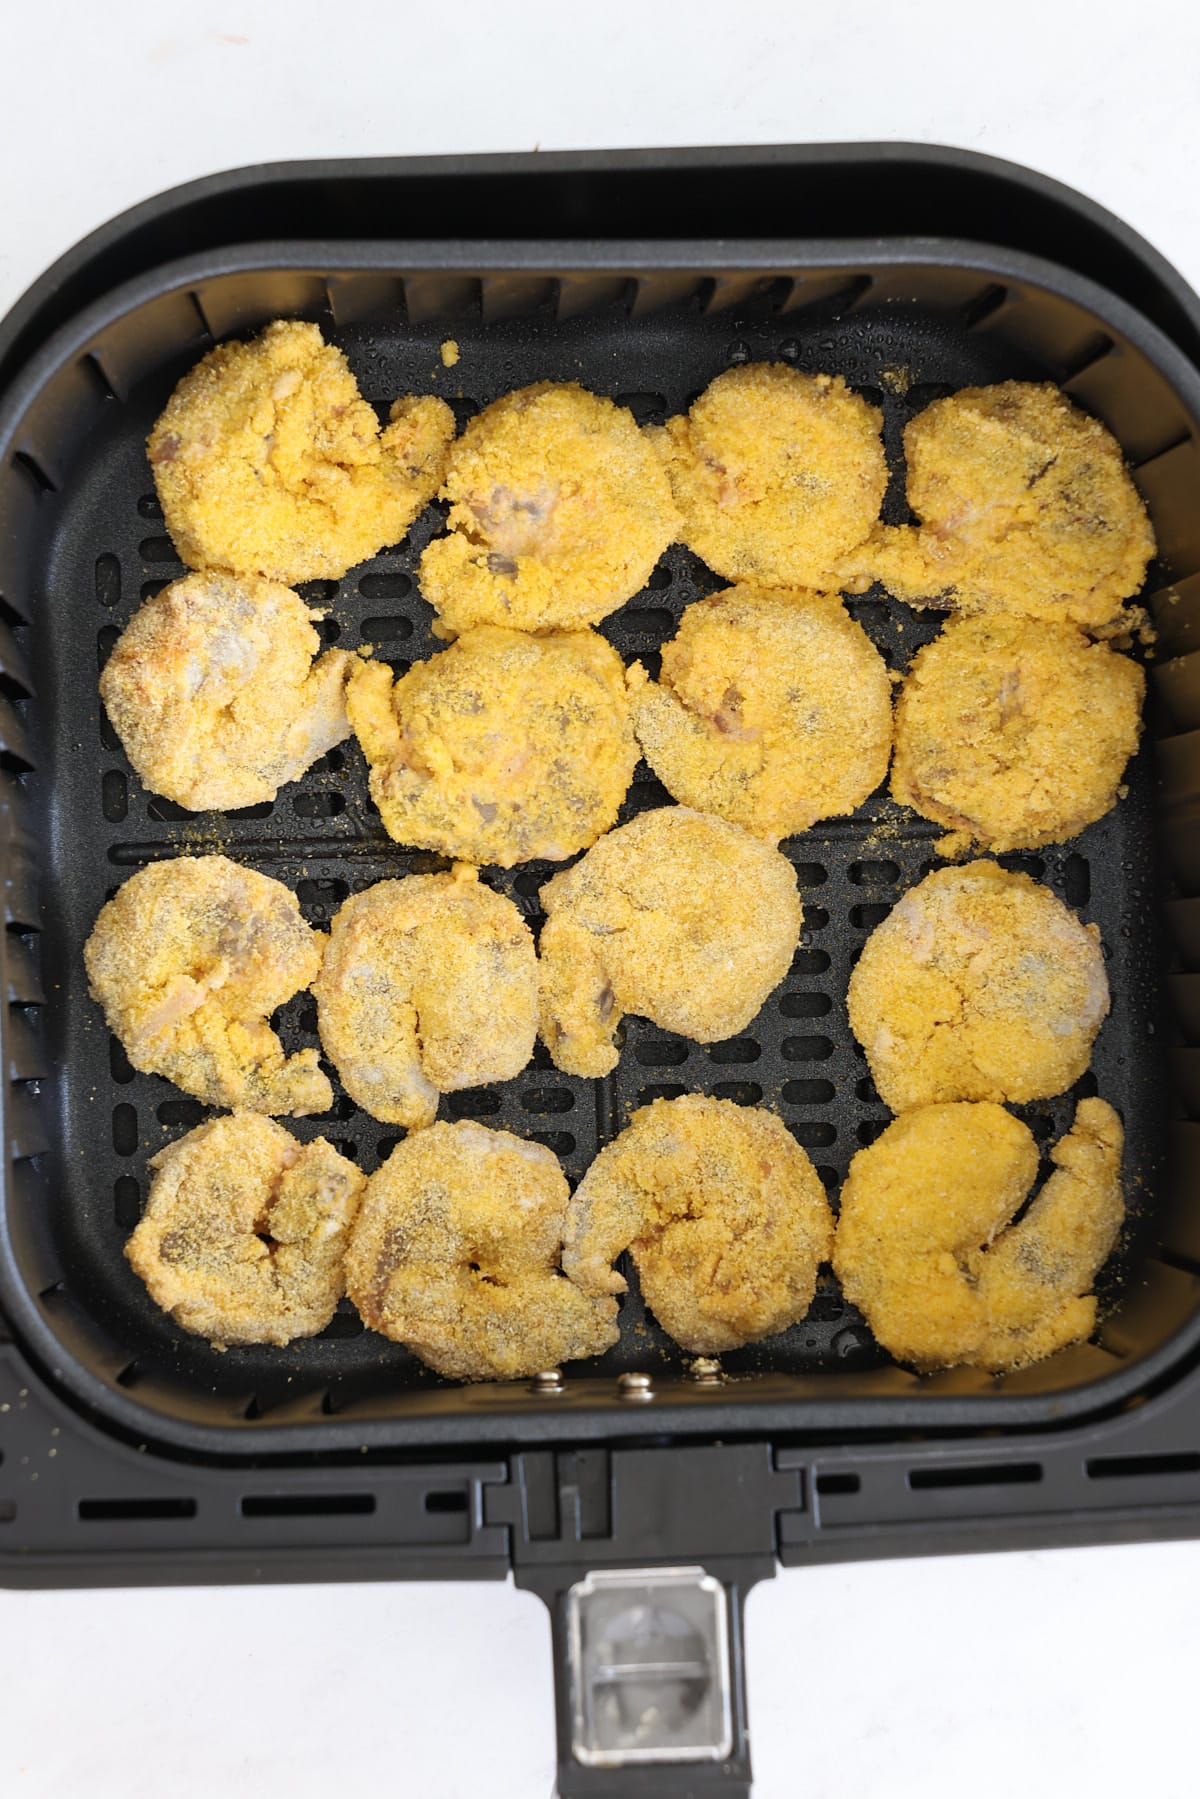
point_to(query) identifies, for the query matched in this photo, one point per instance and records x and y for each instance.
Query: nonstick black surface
(323, 838)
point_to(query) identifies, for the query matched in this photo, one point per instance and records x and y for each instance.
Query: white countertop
(1049, 1673)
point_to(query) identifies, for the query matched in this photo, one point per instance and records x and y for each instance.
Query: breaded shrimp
(778, 474)
(724, 1213)
(456, 1253)
(244, 1235)
(979, 984)
(214, 692)
(502, 748)
(268, 461)
(925, 1247)
(1026, 507)
(683, 918)
(1014, 733)
(773, 710)
(429, 984)
(189, 959)
(559, 511)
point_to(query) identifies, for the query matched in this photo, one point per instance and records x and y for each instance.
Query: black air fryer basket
(641, 1494)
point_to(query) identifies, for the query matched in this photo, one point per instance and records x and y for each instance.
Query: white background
(1038, 1674)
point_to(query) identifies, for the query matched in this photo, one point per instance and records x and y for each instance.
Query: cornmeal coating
(1026, 506)
(429, 984)
(773, 710)
(778, 474)
(214, 692)
(724, 1214)
(244, 1235)
(979, 984)
(456, 1253)
(189, 960)
(1014, 733)
(925, 1247)
(502, 748)
(268, 461)
(559, 510)
(685, 919)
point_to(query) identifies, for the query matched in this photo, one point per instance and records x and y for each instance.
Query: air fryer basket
(128, 1451)
(90, 545)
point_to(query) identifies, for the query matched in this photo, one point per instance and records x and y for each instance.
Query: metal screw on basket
(549, 1381)
(635, 1386)
(706, 1371)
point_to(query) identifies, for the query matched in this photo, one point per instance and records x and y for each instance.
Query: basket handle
(649, 1677)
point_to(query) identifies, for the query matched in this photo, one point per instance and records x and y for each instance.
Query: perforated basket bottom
(323, 838)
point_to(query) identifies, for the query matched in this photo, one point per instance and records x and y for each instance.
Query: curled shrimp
(215, 693)
(1025, 507)
(778, 474)
(268, 460)
(723, 1212)
(429, 984)
(685, 919)
(979, 984)
(926, 1249)
(559, 511)
(456, 1253)
(189, 959)
(244, 1234)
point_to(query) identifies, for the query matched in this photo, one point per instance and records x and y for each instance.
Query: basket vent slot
(455, 1501)
(307, 1505)
(1137, 1467)
(829, 1484)
(116, 1511)
(986, 1474)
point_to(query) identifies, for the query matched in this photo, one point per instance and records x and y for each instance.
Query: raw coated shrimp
(189, 959)
(1026, 507)
(773, 710)
(724, 1214)
(456, 1253)
(244, 1234)
(503, 748)
(268, 460)
(925, 1247)
(214, 692)
(1013, 732)
(979, 984)
(778, 474)
(429, 984)
(559, 511)
(682, 918)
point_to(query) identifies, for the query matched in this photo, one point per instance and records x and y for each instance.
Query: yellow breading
(244, 1236)
(428, 984)
(1014, 733)
(456, 1253)
(683, 918)
(559, 511)
(502, 748)
(189, 959)
(926, 1249)
(214, 692)
(979, 984)
(724, 1213)
(1026, 506)
(268, 461)
(778, 474)
(773, 710)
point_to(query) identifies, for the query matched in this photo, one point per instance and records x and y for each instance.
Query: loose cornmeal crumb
(449, 353)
